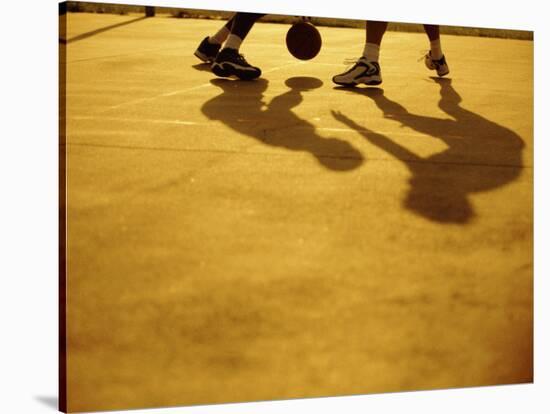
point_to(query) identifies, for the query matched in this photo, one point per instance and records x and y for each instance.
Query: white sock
(435, 48)
(219, 37)
(233, 42)
(371, 52)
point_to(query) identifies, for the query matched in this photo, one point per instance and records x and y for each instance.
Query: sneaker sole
(220, 71)
(373, 81)
(438, 73)
(225, 71)
(366, 81)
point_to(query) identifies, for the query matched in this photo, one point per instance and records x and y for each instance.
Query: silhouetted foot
(207, 51)
(439, 65)
(230, 63)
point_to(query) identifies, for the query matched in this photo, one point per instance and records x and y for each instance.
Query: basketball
(303, 40)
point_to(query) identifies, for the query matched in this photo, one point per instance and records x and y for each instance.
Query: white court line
(183, 91)
(151, 98)
(180, 122)
(137, 120)
(285, 66)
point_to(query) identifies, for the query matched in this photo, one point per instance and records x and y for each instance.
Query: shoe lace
(351, 62)
(241, 59)
(423, 54)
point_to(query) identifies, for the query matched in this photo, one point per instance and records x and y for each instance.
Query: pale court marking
(245, 151)
(151, 98)
(183, 91)
(211, 124)
(141, 52)
(135, 120)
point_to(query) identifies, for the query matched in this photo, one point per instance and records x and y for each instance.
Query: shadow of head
(439, 203)
(303, 83)
(342, 156)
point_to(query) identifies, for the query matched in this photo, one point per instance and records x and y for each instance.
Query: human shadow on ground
(241, 107)
(481, 155)
(86, 35)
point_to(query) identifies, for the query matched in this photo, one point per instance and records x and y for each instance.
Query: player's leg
(375, 33)
(366, 69)
(210, 46)
(435, 59)
(229, 62)
(242, 23)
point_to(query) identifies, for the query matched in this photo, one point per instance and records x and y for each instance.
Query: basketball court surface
(283, 238)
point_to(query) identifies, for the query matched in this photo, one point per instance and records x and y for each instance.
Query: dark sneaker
(362, 71)
(440, 65)
(230, 63)
(207, 51)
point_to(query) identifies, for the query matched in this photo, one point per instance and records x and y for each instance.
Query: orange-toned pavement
(233, 241)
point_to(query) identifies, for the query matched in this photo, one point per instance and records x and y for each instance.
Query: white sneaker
(362, 71)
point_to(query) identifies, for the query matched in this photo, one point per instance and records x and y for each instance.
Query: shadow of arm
(379, 140)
